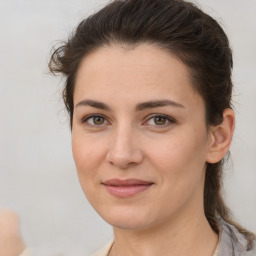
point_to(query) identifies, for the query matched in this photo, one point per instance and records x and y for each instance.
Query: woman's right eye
(94, 120)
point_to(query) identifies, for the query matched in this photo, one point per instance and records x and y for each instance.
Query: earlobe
(221, 137)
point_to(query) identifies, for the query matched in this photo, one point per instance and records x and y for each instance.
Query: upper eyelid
(161, 115)
(93, 115)
(87, 117)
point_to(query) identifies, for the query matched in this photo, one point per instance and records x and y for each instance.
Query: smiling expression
(139, 137)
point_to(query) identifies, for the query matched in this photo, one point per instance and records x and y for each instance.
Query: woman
(148, 90)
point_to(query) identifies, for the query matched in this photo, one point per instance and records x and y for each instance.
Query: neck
(191, 236)
(192, 239)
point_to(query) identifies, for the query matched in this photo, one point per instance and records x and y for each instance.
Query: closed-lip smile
(126, 188)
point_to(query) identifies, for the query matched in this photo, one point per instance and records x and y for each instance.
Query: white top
(25, 253)
(104, 251)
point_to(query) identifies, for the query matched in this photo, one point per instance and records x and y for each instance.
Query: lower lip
(126, 191)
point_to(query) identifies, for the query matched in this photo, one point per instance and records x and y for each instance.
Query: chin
(128, 223)
(128, 218)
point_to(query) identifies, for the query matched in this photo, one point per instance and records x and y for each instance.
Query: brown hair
(186, 32)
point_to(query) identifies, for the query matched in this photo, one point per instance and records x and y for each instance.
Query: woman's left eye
(160, 120)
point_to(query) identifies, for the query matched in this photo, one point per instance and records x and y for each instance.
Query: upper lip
(126, 182)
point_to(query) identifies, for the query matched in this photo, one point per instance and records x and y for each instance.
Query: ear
(220, 137)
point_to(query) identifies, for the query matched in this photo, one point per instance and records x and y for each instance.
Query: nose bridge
(124, 147)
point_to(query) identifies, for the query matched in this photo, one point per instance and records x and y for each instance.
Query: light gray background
(37, 174)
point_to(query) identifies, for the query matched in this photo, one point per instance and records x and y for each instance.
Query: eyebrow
(139, 107)
(94, 104)
(157, 103)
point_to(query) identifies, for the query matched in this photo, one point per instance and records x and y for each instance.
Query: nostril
(123, 151)
(124, 160)
(119, 162)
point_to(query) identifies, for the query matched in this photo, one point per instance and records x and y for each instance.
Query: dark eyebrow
(158, 103)
(139, 107)
(93, 103)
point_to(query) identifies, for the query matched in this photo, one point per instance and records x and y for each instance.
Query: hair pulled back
(186, 32)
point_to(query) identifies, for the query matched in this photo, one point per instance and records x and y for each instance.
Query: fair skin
(137, 116)
(11, 243)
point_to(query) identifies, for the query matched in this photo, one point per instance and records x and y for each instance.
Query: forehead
(140, 72)
(144, 61)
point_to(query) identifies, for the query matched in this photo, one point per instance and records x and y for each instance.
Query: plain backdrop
(37, 174)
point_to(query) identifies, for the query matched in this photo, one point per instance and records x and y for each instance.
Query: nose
(124, 149)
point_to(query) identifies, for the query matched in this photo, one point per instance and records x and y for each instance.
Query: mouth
(126, 188)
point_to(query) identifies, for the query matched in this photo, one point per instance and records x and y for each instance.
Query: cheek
(179, 161)
(174, 152)
(87, 154)
(180, 170)
(86, 148)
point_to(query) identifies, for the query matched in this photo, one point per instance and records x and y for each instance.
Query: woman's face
(139, 136)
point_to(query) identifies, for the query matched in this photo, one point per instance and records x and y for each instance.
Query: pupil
(160, 120)
(98, 120)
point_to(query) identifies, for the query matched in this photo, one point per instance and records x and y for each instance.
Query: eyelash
(168, 120)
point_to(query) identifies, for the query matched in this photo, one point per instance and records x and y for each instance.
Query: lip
(126, 188)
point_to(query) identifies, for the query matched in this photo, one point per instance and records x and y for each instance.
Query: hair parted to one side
(186, 32)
